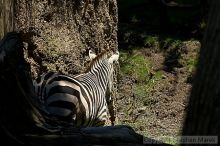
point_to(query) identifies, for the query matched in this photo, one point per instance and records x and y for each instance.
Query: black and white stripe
(80, 99)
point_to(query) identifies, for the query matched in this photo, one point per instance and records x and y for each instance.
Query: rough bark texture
(203, 116)
(6, 17)
(60, 33)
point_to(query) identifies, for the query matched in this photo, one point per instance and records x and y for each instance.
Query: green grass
(136, 66)
(171, 43)
(140, 90)
(151, 41)
(191, 64)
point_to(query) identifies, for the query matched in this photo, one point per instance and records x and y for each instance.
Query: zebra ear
(92, 55)
(114, 57)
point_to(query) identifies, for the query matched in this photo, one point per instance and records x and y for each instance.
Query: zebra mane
(99, 57)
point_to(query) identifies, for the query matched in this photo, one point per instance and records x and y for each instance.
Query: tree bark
(203, 114)
(6, 17)
(60, 33)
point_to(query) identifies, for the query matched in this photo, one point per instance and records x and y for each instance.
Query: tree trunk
(203, 115)
(60, 33)
(6, 16)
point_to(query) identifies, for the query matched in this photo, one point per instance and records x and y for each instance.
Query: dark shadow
(164, 19)
(31, 47)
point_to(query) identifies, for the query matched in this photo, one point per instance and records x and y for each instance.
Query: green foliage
(151, 41)
(190, 59)
(134, 19)
(140, 90)
(158, 76)
(203, 24)
(171, 43)
(140, 69)
(177, 44)
(136, 66)
(191, 64)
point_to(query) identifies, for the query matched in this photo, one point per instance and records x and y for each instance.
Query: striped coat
(81, 99)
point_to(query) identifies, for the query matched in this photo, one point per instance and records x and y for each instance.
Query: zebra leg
(111, 111)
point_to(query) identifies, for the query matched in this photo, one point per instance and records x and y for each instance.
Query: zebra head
(114, 57)
(111, 60)
(92, 55)
(103, 66)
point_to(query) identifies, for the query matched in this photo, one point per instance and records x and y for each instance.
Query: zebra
(80, 99)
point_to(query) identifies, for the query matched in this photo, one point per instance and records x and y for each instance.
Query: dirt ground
(161, 111)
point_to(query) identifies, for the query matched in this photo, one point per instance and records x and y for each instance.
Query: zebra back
(81, 99)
